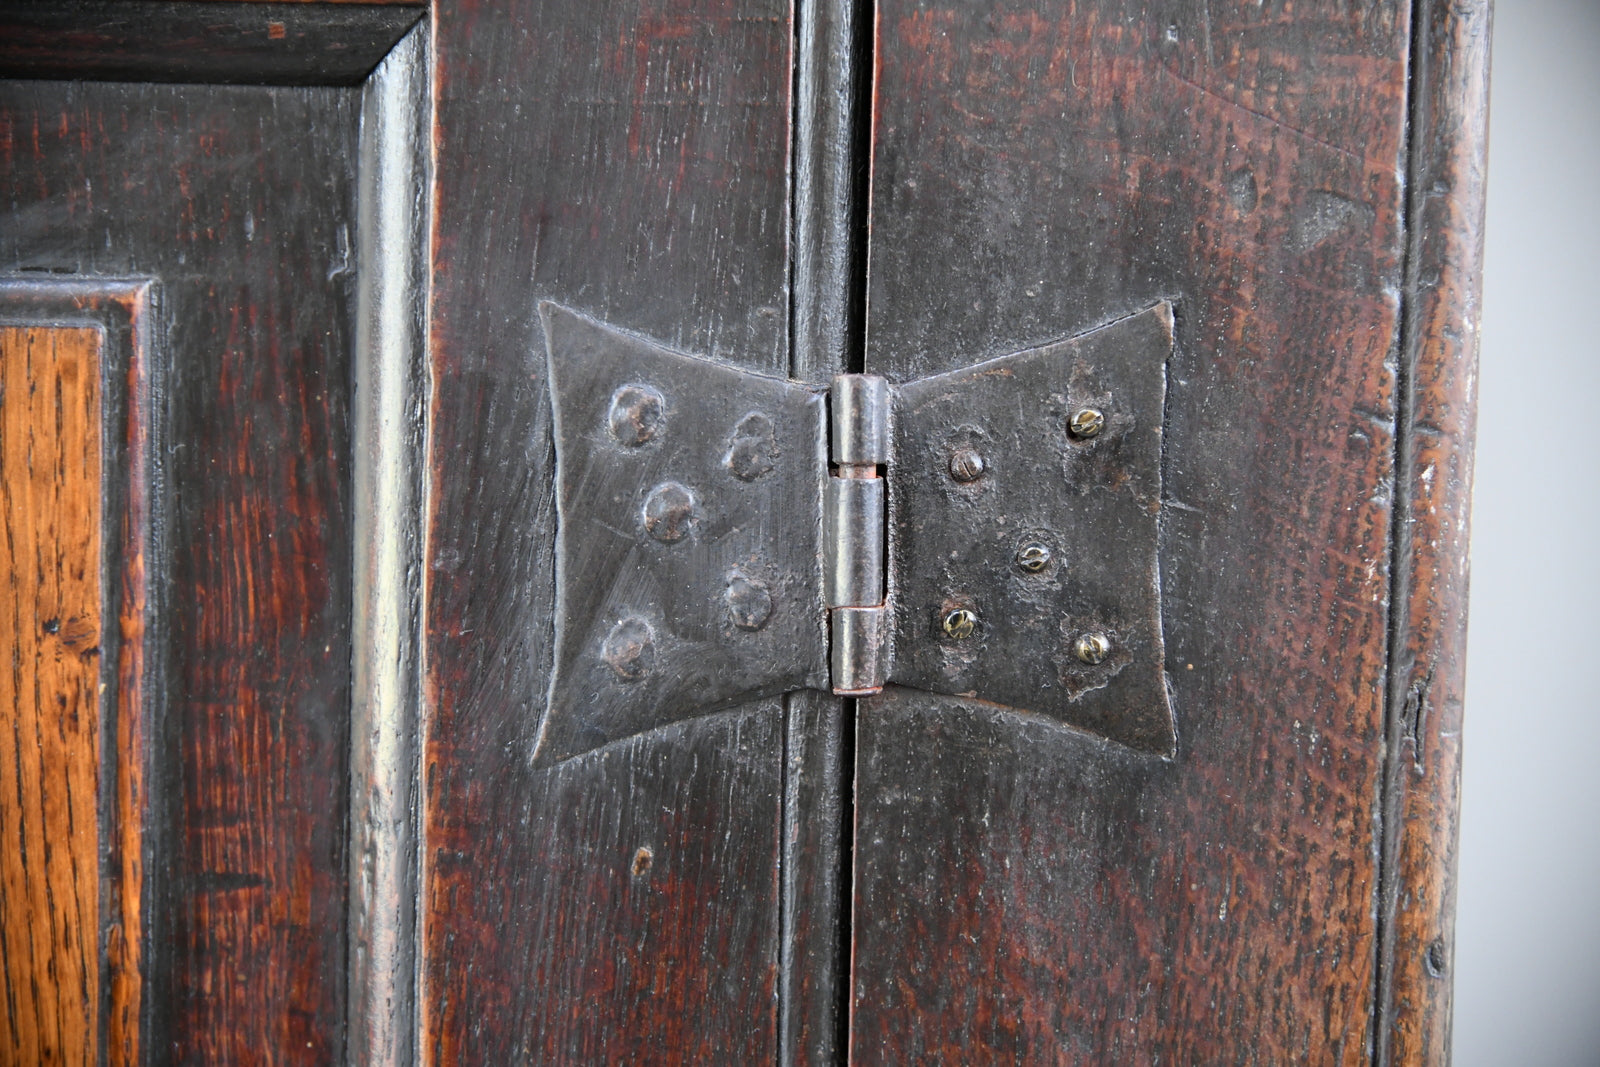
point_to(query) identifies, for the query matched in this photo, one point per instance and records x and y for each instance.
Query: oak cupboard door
(312, 268)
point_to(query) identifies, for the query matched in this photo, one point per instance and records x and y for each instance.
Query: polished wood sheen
(237, 201)
(50, 635)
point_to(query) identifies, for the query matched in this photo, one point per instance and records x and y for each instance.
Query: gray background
(1528, 920)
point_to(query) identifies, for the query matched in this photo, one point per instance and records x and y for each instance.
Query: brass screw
(1092, 648)
(966, 465)
(1086, 422)
(1033, 557)
(960, 623)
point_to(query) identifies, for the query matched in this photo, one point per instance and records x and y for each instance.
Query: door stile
(1436, 419)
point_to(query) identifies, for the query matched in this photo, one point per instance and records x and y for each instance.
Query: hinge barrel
(859, 418)
(855, 542)
(859, 654)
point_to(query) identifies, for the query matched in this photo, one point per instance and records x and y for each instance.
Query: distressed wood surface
(1024, 893)
(238, 200)
(50, 628)
(1426, 686)
(626, 159)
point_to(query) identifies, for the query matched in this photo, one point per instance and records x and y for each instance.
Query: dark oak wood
(627, 160)
(238, 43)
(1277, 891)
(1450, 89)
(1025, 893)
(50, 631)
(238, 201)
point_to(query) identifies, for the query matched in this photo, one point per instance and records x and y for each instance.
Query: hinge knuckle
(859, 654)
(855, 542)
(860, 420)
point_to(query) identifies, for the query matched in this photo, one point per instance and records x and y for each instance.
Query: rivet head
(966, 465)
(1092, 648)
(636, 413)
(959, 623)
(629, 650)
(749, 602)
(1033, 557)
(669, 512)
(1086, 422)
(752, 448)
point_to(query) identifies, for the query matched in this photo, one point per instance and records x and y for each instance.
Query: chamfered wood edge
(236, 43)
(125, 310)
(388, 460)
(1427, 660)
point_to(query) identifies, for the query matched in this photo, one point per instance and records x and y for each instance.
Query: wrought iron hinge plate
(990, 533)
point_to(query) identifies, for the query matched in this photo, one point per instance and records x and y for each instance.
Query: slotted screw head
(1086, 422)
(1092, 648)
(1033, 557)
(966, 465)
(960, 623)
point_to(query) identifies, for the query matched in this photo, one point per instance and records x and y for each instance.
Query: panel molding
(388, 459)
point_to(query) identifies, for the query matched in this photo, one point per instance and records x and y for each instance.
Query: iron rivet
(668, 512)
(966, 465)
(1086, 422)
(1092, 648)
(1033, 557)
(960, 623)
(636, 412)
(752, 448)
(749, 602)
(629, 649)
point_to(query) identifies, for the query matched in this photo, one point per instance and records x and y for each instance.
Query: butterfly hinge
(990, 533)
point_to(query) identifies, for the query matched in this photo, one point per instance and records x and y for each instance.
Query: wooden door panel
(76, 441)
(627, 160)
(50, 740)
(237, 202)
(1034, 895)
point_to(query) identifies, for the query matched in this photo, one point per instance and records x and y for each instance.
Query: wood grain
(1427, 681)
(118, 313)
(627, 159)
(1028, 894)
(50, 630)
(239, 200)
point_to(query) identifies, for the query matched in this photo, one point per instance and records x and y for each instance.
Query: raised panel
(76, 556)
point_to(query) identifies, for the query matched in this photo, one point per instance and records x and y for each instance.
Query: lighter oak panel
(50, 635)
